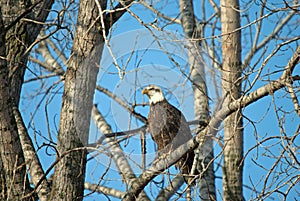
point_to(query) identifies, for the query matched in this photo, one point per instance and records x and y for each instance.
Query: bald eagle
(168, 128)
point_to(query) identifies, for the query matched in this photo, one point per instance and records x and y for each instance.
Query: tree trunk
(78, 96)
(204, 155)
(13, 44)
(231, 83)
(10, 148)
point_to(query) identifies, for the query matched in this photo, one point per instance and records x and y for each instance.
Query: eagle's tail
(185, 165)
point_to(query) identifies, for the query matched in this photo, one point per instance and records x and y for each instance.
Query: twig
(120, 102)
(212, 128)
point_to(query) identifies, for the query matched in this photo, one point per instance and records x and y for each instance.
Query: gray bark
(204, 155)
(15, 38)
(78, 95)
(231, 83)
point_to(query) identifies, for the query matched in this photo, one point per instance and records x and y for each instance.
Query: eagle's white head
(154, 93)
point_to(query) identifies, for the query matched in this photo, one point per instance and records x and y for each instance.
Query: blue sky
(145, 62)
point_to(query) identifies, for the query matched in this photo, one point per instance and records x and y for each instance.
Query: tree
(231, 86)
(201, 107)
(15, 38)
(227, 60)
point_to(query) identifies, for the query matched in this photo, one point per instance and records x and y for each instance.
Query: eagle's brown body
(169, 129)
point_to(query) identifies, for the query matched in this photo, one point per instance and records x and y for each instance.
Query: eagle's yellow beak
(145, 91)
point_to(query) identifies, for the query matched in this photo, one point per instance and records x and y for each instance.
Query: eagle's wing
(183, 135)
(169, 129)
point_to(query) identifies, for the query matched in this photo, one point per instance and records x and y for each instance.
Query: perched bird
(168, 128)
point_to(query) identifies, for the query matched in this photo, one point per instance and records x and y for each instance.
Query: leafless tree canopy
(73, 120)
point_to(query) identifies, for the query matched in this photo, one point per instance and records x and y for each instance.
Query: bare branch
(40, 13)
(35, 169)
(119, 10)
(57, 51)
(211, 130)
(167, 192)
(104, 35)
(104, 190)
(256, 47)
(294, 98)
(269, 88)
(22, 15)
(160, 14)
(119, 101)
(132, 132)
(216, 8)
(116, 151)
